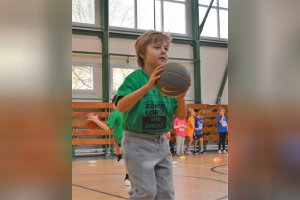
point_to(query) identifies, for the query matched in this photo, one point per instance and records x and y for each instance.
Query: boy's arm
(95, 119)
(126, 102)
(180, 112)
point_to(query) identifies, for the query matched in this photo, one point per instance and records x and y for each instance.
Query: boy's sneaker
(188, 153)
(219, 151)
(196, 153)
(203, 152)
(127, 182)
(224, 151)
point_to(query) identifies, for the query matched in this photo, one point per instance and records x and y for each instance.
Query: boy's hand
(154, 77)
(92, 117)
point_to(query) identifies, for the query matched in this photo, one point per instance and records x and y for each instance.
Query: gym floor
(196, 177)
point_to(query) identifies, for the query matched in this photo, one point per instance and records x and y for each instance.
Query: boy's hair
(221, 108)
(201, 112)
(189, 111)
(145, 39)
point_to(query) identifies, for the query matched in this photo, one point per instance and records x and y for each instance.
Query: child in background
(114, 122)
(180, 129)
(222, 128)
(148, 115)
(198, 134)
(190, 130)
(168, 137)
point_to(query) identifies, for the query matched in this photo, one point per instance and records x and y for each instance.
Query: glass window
(224, 24)
(216, 24)
(174, 17)
(210, 28)
(158, 15)
(207, 2)
(121, 13)
(145, 14)
(82, 78)
(223, 3)
(83, 11)
(119, 75)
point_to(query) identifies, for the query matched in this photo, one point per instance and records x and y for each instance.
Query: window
(162, 15)
(174, 17)
(82, 77)
(119, 75)
(145, 14)
(83, 11)
(216, 25)
(121, 13)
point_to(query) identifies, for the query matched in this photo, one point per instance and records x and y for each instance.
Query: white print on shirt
(180, 127)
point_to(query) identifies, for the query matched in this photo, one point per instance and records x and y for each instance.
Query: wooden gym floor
(198, 177)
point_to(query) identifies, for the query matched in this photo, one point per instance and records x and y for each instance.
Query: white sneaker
(219, 151)
(127, 182)
(224, 151)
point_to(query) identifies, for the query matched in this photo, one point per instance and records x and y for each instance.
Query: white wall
(213, 65)
(90, 44)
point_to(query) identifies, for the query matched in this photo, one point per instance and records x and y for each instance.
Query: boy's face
(222, 112)
(156, 54)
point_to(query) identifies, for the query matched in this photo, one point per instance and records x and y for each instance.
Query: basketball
(91, 124)
(174, 80)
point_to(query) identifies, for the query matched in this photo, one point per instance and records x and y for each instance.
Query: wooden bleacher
(83, 136)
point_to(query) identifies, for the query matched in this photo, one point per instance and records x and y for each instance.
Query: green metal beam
(126, 55)
(81, 30)
(218, 101)
(213, 43)
(205, 16)
(115, 33)
(105, 50)
(196, 51)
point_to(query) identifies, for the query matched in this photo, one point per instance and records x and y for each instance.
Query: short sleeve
(111, 121)
(129, 85)
(218, 119)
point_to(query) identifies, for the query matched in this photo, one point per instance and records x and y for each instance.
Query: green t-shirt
(153, 113)
(115, 122)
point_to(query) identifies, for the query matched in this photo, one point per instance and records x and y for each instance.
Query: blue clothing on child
(222, 127)
(199, 124)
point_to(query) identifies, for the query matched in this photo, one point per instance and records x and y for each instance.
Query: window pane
(119, 75)
(83, 11)
(82, 78)
(145, 14)
(207, 2)
(223, 3)
(174, 17)
(158, 15)
(121, 13)
(224, 24)
(211, 25)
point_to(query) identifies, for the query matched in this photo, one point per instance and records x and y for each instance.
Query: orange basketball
(91, 124)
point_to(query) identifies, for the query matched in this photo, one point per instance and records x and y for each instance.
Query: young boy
(114, 122)
(198, 134)
(222, 128)
(147, 116)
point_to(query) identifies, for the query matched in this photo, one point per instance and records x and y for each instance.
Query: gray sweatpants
(149, 164)
(180, 145)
